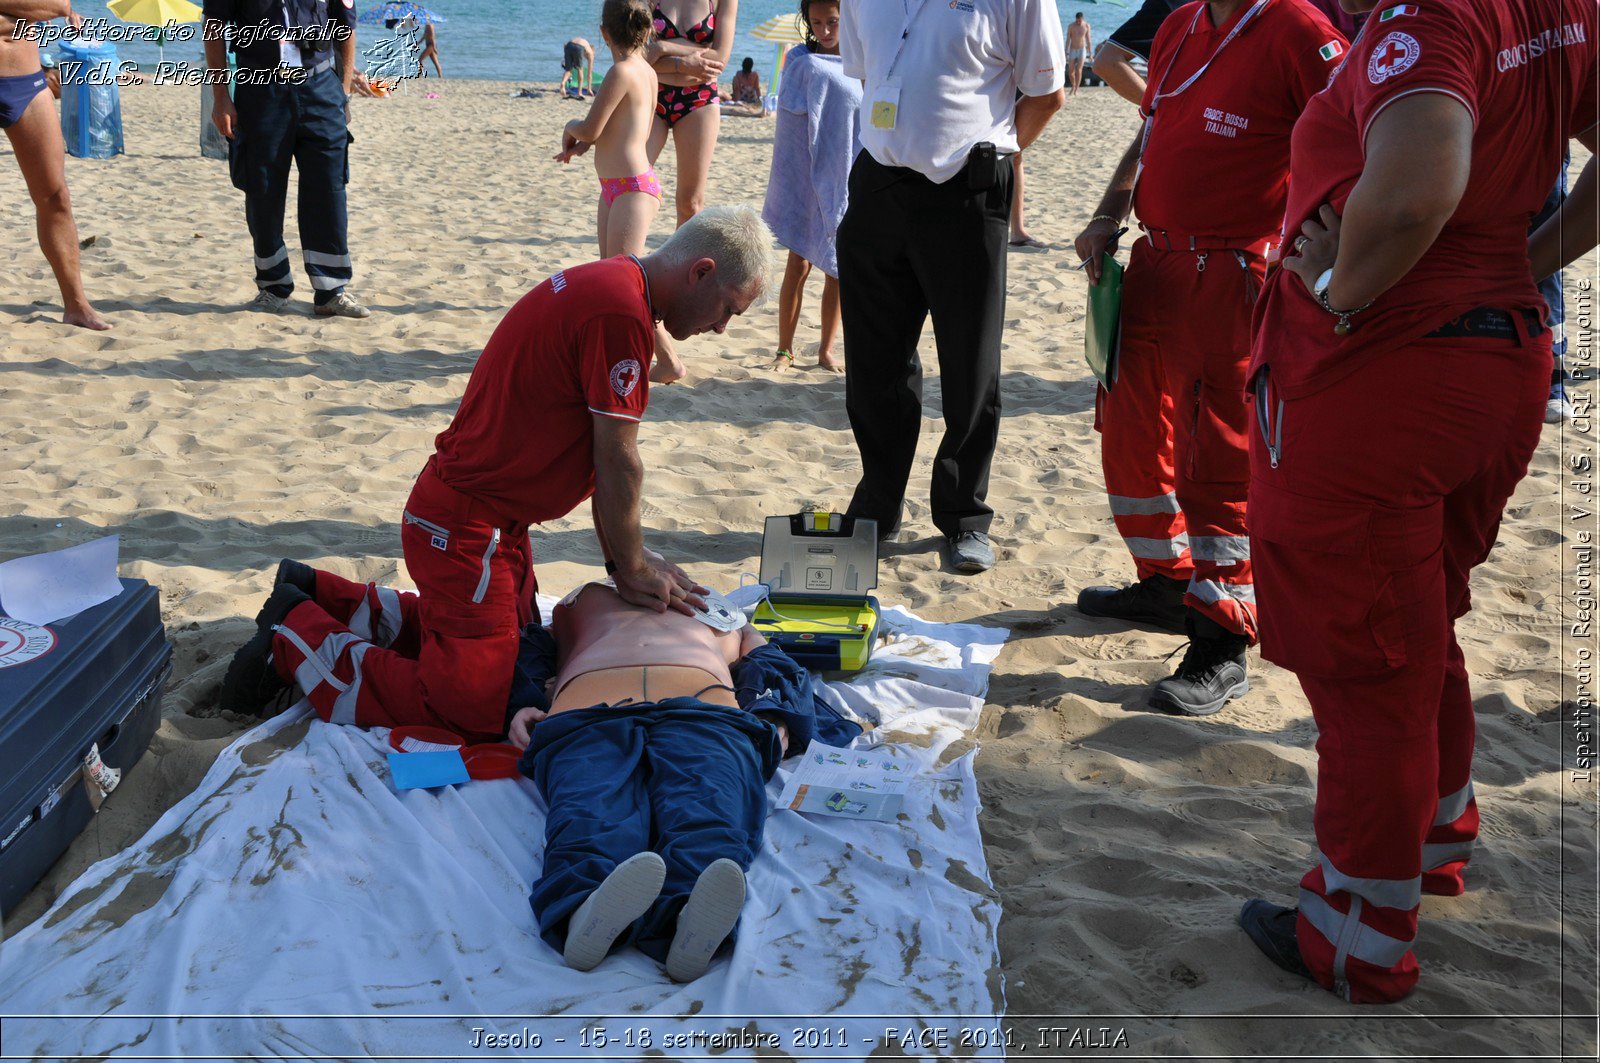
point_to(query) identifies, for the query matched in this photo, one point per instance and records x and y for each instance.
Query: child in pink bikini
(618, 125)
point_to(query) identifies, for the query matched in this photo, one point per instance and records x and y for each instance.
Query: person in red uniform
(1400, 372)
(1207, 177)
(550, 417)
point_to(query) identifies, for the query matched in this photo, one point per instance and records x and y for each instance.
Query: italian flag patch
(1397, 11)
(1330, 51)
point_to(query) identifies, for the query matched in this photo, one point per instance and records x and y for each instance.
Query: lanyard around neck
(1238, 28)
(1150, 121)
(912, 8)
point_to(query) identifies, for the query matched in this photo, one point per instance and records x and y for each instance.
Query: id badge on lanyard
(884, 112)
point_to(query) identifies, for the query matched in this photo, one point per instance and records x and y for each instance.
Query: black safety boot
(252, 683)
(1155, 601)
(1212, 672)
(1272, 928)
(298, 574)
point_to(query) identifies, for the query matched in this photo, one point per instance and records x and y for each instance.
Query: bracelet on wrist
(1342, 326)
(1105, 217)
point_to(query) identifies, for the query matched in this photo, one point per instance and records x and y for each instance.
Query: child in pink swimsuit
(618, 126)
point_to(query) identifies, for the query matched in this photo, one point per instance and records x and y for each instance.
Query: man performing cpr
(550, 417)
(1207, 176)
(652, 753)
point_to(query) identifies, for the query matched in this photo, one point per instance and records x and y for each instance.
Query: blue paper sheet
(428, 769)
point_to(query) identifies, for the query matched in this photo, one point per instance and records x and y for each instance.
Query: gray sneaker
(268, 303)
(342, 305)
(971, 552)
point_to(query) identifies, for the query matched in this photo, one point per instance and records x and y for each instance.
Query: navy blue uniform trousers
(304, 123)
(680, 777)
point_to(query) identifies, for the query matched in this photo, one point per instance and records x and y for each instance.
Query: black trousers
(303, 124)
(909, 248)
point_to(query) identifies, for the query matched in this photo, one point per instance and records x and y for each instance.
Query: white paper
(851, 783)
(43, 588)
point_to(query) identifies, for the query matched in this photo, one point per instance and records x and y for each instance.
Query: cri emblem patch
(21, 643)
(625, 377)
(1393, 56)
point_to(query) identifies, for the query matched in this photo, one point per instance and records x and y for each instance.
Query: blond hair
(734, 237)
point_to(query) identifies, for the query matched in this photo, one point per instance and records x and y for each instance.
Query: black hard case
(101, 683)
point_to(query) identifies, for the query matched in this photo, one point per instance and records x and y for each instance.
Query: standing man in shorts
(1078, 49)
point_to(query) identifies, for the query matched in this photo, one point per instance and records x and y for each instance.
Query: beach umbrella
(396, 10)
(782, 30)
(156, 13)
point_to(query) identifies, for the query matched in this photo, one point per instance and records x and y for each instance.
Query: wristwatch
(1319, 290)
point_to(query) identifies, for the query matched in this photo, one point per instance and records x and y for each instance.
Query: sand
(1121, 842)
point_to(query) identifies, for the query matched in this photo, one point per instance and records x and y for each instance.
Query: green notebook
(1102, 331)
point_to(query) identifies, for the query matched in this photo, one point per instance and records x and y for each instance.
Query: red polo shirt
(577, 345)
(1216, 162)
(1525, 70)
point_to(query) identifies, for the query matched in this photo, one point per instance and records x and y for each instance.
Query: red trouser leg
(1388, 489)
(1205, 343)
(381, 615)
(474, 586)
(1134, 419)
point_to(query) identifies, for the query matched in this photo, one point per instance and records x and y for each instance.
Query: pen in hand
(1114, 238)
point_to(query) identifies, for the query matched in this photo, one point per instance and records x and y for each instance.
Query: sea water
(520, 40)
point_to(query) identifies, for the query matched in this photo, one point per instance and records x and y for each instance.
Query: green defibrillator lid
(819, 554)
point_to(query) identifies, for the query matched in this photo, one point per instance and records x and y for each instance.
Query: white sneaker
(268, 303)
(342, 305)
(706, 920)
(624, 896)
(1558, 409)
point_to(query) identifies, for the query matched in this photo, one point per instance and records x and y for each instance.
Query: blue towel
(816, 140)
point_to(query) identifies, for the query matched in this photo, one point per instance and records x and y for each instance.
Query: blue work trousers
(678, 777)
(303, 123)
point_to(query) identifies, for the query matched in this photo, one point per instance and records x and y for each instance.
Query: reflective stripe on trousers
(320, 666)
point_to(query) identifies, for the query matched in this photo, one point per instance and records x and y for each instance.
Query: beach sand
(1121, 842)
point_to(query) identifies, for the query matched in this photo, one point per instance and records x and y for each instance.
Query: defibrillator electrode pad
(719, 614)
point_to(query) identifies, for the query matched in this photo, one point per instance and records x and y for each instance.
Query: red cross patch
(625, 377)
(1393, 56)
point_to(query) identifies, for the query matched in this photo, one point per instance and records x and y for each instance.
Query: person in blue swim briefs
(652, 745)
(28, 115)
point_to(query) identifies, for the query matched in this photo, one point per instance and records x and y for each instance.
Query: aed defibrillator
(818, 569)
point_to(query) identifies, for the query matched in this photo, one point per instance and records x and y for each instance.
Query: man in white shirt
(926, 231)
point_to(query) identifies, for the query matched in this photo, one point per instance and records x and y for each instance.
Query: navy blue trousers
(304, 124)
(680, 777)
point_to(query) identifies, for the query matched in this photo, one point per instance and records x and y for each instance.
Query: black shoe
(1212, 672)
(1155, 601)
(971, 552)
(1272, 928)
(296, 574)
(252, 683)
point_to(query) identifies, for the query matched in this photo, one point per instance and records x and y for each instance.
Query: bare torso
(16, 57)
(1077, 34)
(610, 651)
(620, 149)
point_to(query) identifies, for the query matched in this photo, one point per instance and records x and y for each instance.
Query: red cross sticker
(1394, 55)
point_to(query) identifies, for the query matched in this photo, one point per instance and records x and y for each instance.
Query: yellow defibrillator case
(819, 568)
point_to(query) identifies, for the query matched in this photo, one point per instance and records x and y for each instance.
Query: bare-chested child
(654, 777)
(28, 115)
(618, 127)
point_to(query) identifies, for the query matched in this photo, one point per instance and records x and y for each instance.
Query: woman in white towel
(816, 140)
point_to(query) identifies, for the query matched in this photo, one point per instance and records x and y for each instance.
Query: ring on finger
(1300, 242)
